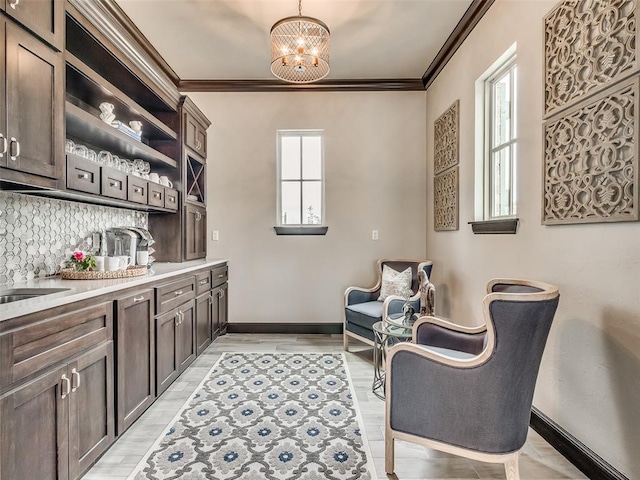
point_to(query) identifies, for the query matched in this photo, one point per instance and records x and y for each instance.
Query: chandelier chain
(300, 8)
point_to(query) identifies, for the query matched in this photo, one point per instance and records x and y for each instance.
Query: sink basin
(17, 294)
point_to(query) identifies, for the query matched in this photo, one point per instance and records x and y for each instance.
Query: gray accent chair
(468, 390)
(362, 308)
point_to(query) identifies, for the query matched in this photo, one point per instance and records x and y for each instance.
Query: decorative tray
(131, 271)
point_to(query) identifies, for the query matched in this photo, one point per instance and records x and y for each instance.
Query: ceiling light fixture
(300, 49)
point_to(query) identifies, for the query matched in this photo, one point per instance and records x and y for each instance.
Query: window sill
(503, 226)
(315, 230)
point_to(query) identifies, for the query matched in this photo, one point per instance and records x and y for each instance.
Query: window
(300, 178)
(497, 137)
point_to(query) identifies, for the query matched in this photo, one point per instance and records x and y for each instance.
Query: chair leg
(389, 453)
(345, 340)
(512, 468)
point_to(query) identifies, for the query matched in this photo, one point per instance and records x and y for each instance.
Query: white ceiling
(229, 39)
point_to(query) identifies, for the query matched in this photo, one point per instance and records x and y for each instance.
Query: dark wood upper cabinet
(195, 234)
(195, 135)
(45, 18)
(34, 105)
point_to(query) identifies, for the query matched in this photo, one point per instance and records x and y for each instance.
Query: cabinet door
(166, 338)
(186, 341)
(4, 145)
(91, 412)
(223, 310)
(203, 322)
(195, 232)
(195, 136)
(215, 311)
(34, 429)
(43, 17)
(135, 357)
(35, 92)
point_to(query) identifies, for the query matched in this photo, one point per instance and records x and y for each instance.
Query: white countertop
(83, 289)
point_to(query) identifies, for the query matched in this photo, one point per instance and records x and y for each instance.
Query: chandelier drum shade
(300, 49)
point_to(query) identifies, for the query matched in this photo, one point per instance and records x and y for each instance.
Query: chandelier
(300, 49)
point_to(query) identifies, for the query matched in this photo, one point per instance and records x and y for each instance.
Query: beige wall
(590, 377)
(375, 179)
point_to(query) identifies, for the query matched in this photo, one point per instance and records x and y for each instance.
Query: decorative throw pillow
(394, 283)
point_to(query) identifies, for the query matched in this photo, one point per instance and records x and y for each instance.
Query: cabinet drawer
(170, 198)
(156, 195)
(136, 189)
(203, 282)
(36, 347)
(172, 294)
(83, 175)
(219, 275)
(114, 183)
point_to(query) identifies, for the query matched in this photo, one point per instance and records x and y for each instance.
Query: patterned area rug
(260, 416)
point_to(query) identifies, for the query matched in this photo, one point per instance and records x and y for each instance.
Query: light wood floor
(539, 461)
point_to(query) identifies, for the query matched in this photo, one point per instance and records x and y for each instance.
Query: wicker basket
(132, 271)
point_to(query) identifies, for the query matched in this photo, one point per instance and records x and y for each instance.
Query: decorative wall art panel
(445, 192)
(446, 139)
(587, 45)
(591, 160)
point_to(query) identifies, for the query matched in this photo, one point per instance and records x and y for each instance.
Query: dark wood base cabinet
(135, 357)
(175, 344)
(56, 426)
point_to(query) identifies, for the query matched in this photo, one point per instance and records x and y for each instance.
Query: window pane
(290, 203)
(502, 110)
(514, 74)
(290, 162)
(312, 203)
(501, 183)
(312, 158)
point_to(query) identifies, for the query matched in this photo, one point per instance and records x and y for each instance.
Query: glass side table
(386, 334)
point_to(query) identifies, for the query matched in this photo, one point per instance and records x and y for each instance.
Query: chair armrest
(395, 303)
(354, 295)
(432, 356)
(437, 332)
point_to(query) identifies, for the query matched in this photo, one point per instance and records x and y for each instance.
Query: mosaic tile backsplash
(37, 234)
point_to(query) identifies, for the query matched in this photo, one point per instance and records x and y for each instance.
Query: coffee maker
(127, 241)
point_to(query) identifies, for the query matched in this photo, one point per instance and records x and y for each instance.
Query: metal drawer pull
(12, 155)
(172, 199)
(114, 184)
(221, 293)
(138, 299)
(5, 145)
(14, 4)
(177, 292)
(220, 275)
(76, 376)
(204, 282)
(67, 386)
(156, 194)
(83, 175)
(137, 190)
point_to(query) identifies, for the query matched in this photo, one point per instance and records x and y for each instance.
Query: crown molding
(332, 85)
(109, 19)
(467, 23)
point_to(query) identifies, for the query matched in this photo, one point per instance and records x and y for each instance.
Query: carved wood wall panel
(591, 160)
(588, 44)
(445, 193)
(446, 139)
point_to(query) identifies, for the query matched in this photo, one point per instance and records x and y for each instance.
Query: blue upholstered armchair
(362, 308)
(468, 391)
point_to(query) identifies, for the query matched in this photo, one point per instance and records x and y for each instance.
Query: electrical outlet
(374, 234)
(215, 235)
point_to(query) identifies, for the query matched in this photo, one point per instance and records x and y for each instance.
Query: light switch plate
(374, 234)
(215, 235)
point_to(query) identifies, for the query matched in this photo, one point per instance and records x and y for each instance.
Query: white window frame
(485, 146)
(300, 133)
